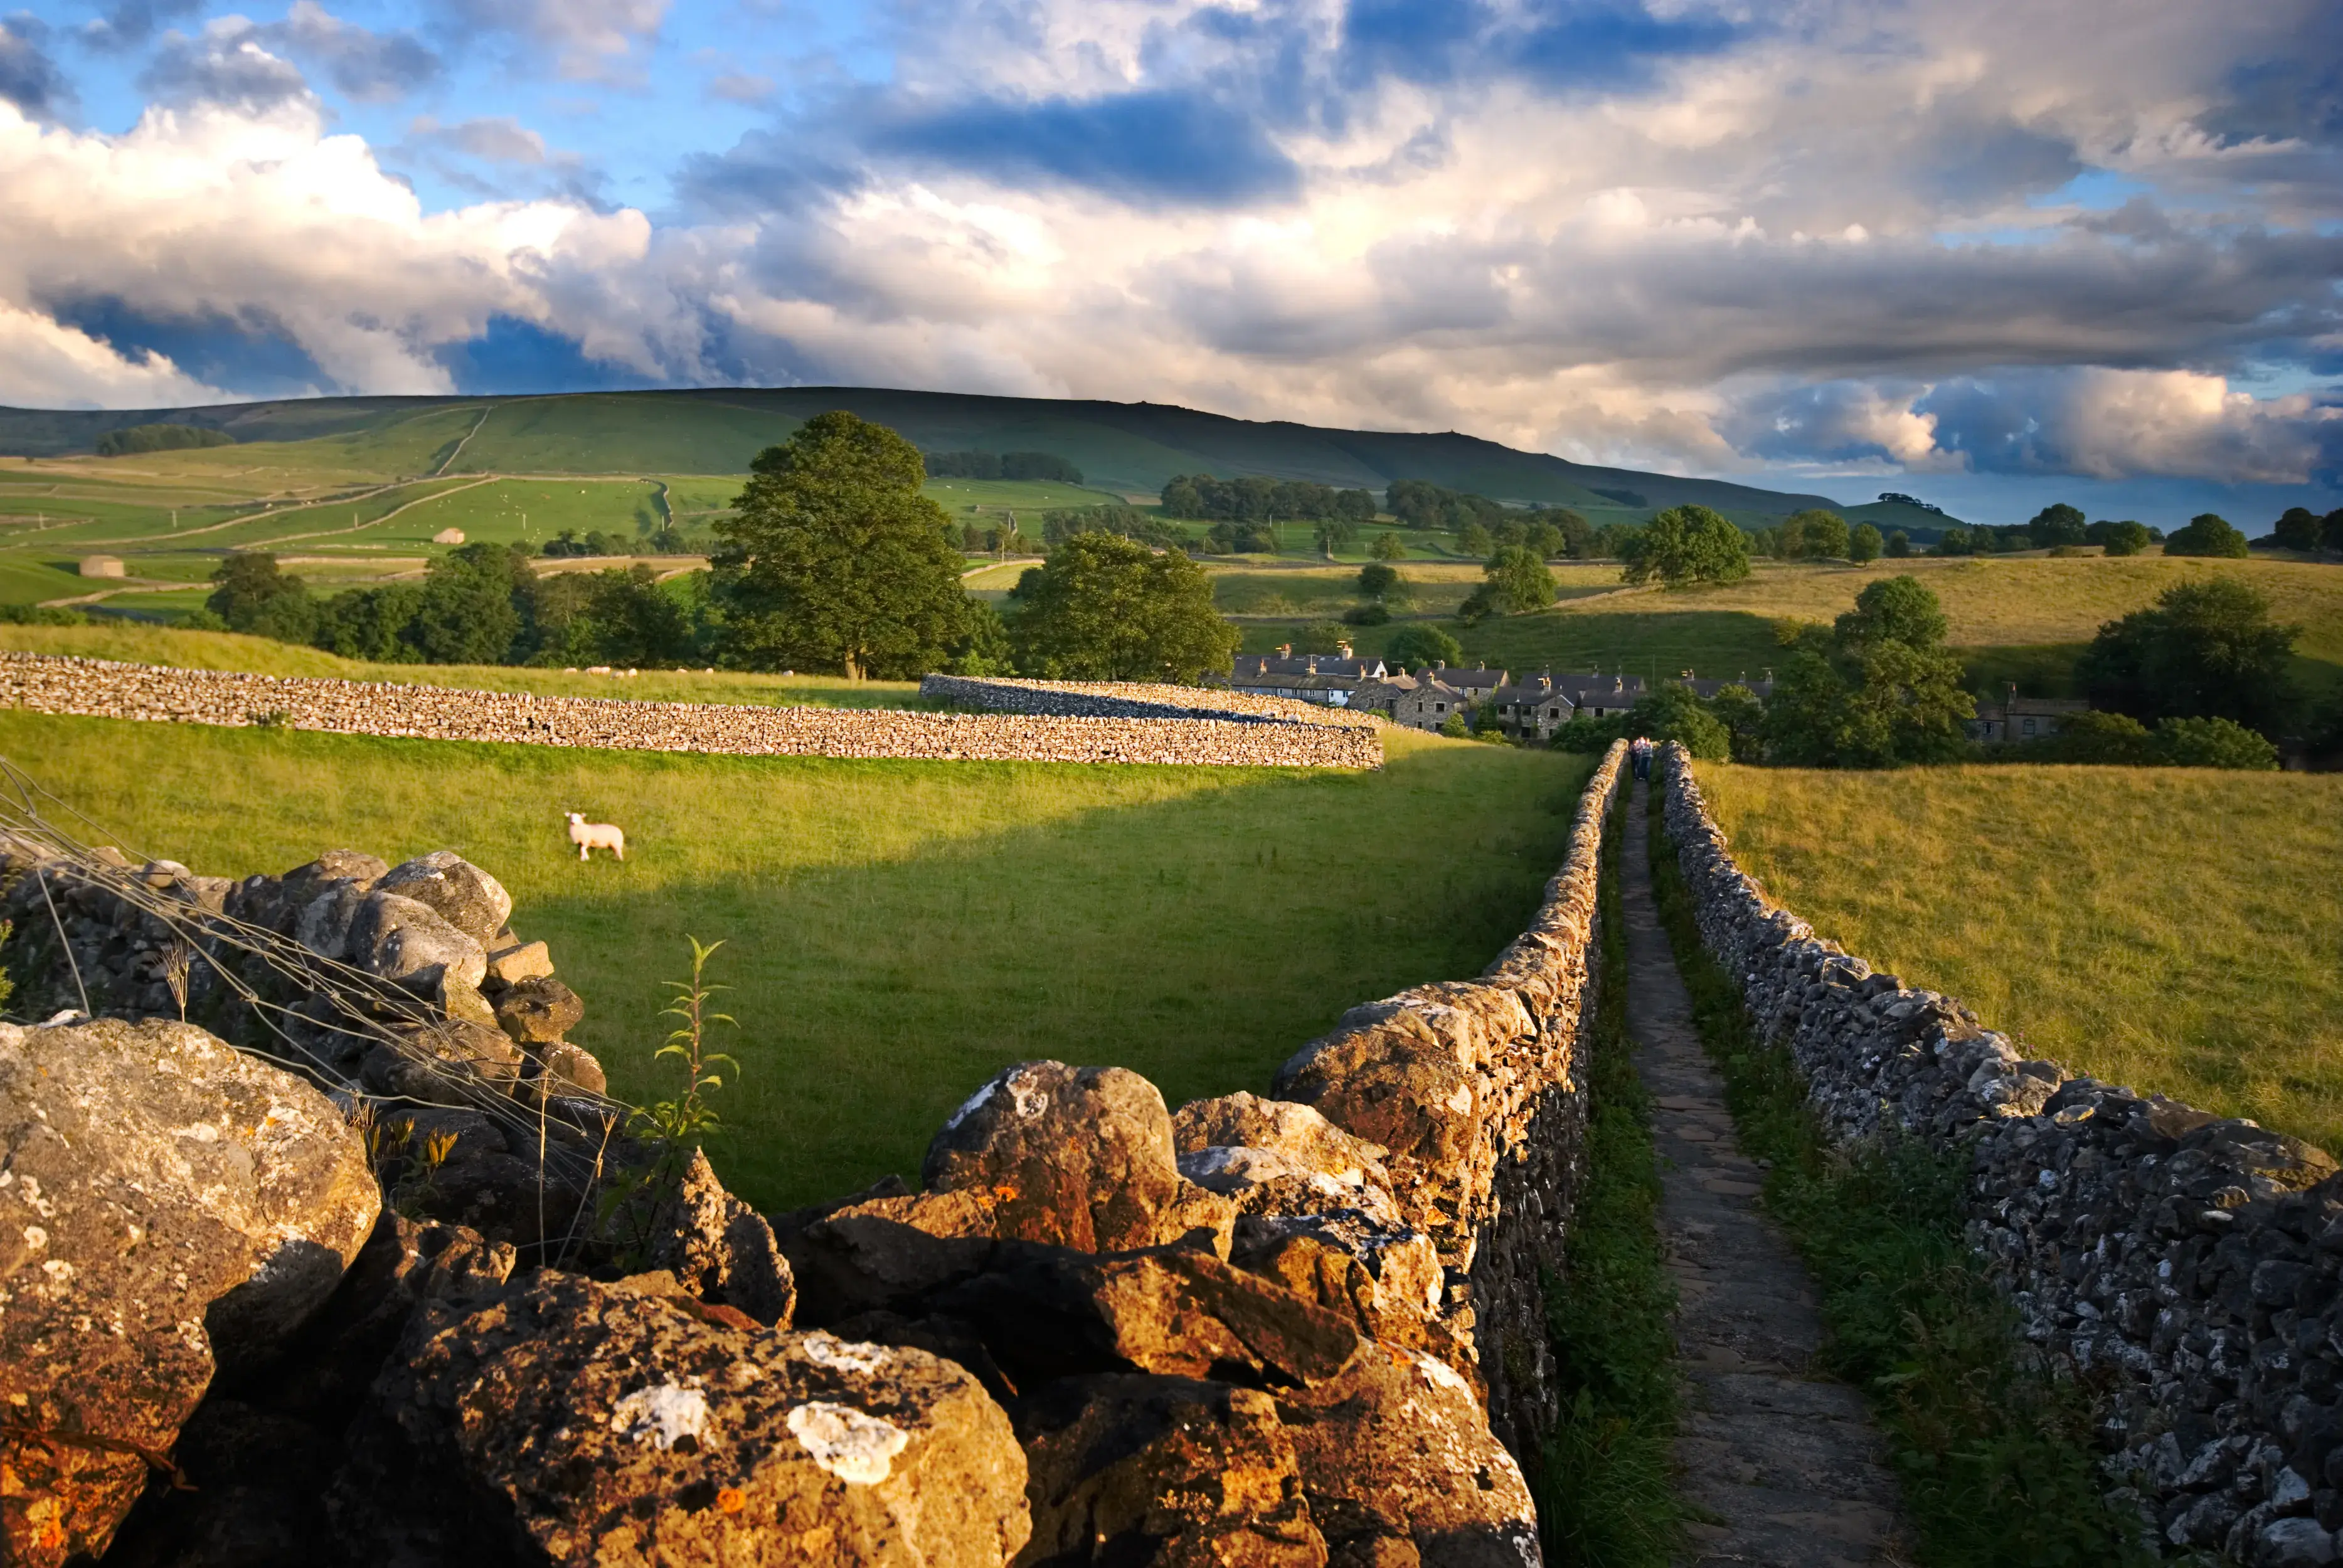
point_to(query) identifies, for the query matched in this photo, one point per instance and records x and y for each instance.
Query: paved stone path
(1780, 1466)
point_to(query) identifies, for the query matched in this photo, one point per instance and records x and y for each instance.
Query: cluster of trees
(569, 545)
(1001, 465)
(2205, 650)
(1687, 545)
(2054, 527)
(479, 604)
(1129, 522)
(2303, 530)
(2207, 534)
(1258, 499)
(2117, 739)
(1875, 689)
(134, 439)
(1420, 504)
(1815, 534)
(1514, 582)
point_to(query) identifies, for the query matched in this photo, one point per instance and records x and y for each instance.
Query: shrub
(1367, 615)
(1863, 545)
(1899, 546)
(2213, 743)
(1376, 580)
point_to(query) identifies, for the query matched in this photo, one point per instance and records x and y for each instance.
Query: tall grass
(1994, 1455)
(896, 932)
(1606, 1493)
(2170, 929)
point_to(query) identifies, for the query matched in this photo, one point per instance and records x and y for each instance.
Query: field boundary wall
(2183, 1265)
(1133, 700)
(1136, 733)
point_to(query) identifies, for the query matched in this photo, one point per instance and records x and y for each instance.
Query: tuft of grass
(1994, 1453)
(898, 931)
(1605, 1488)
(2169, 928)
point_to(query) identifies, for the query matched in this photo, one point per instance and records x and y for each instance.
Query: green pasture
(895, 932)
(531, 510)
(963, 498)
(2172, 928)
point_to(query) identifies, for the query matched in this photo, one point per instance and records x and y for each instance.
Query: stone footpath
(2189, 1265)
(1782, 1464)
(1135, 733)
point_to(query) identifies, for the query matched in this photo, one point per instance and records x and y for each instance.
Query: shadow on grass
(1198, 941)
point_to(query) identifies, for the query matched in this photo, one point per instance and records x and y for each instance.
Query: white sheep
(588, 836)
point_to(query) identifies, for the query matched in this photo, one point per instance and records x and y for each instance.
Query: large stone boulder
(462, 894)
(539, 1011)
(576, 1423)
(168, 1205)
(720, 1249)
(405, 941)
(1163, 1470)
(1277, 1157)
(1048, 1312)
(1395, 1453)
(888, 1252)
(1074, 1157)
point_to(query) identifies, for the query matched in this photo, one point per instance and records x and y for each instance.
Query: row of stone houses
(1531, 706)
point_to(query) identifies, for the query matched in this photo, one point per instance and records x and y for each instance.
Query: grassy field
(2170, 929)
(2026, 618)
(896, 931)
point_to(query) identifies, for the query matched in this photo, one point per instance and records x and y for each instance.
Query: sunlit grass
(2174, 930)
(896, 931)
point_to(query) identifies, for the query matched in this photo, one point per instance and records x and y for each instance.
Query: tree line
(831, 560)
(1256, 499)
(1001, 465)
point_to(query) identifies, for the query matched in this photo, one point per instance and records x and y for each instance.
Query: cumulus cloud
(226, 64)
(51, 366)
(29, 78)
(372, 68)
(1678, 234)
(128, 23)
(589, 38)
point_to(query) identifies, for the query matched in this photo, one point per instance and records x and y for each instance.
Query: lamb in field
(588, 836)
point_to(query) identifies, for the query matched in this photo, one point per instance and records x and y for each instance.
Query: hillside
(1130, 447)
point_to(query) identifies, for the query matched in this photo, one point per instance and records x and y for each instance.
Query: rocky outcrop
(1198, 728)
(563, 1420)
(2189, 1266)
(167, 1206)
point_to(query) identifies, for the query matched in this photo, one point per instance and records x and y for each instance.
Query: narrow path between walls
(1778, 1465)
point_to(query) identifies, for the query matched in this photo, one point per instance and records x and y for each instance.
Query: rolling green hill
(1128, 447)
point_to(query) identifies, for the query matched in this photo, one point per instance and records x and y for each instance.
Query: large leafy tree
(470, 611)
(2205, 650)
(254, 596)
(1688, 545)
(1106, 609)
(1876, 690)
(833, 560)
(2207, 534)
(1419, 648)
(2056, 524)
(1514, 582)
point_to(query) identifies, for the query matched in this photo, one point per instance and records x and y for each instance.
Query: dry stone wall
(1132, 699)
(2184, 1264)
(1135, 733)
(1295, 1331)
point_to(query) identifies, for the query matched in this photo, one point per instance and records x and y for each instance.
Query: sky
(1988, 253)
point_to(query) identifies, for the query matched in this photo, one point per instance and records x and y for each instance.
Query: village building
(1532, 707)
(1329, 679)
(2016, 718)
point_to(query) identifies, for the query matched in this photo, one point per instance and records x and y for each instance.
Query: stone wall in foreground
(2185, 1264)
(107, 689)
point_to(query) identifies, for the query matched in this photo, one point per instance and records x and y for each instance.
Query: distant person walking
(1642, 752)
